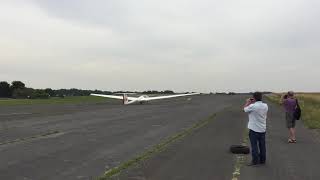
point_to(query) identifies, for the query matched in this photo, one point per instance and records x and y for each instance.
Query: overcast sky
(182, 45)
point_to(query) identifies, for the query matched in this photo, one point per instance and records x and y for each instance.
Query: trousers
(258, 146)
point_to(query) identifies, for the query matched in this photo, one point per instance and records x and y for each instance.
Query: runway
(54, 142)
(204, 154)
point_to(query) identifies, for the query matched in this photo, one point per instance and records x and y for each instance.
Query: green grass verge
(53, 100)
(155, 149)
(310, 109)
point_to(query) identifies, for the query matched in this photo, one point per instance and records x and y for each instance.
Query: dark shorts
(290, 120)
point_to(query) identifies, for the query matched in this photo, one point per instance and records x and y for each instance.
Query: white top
(257, 116)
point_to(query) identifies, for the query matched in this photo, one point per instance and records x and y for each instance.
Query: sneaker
(253, 164)
(262, 163)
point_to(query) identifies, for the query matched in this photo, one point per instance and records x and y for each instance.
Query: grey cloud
(222, 45)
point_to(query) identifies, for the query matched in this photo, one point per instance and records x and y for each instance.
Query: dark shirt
(290, 105)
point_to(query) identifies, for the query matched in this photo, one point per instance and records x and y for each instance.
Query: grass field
(310, 105)
(54, 100)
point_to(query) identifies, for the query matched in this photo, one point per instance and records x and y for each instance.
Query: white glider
(144, 98)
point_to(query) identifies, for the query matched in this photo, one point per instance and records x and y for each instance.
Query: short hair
(290, 93)
(257, 96)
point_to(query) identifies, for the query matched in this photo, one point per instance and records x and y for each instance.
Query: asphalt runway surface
(70, 142)
(55, 142)
(287, 161)
(203, 155)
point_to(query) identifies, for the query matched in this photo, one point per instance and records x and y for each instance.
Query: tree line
(18, 90)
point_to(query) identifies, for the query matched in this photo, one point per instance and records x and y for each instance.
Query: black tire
(239, 149)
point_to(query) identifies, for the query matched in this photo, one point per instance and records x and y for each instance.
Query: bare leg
(292, 133)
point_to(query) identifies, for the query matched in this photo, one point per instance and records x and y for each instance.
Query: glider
(142, 99)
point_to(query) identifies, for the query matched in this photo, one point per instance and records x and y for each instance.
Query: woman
(289, 103)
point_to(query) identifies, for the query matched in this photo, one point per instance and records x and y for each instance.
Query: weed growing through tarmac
(240, 158)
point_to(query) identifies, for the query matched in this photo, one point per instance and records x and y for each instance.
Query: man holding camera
(257, 112)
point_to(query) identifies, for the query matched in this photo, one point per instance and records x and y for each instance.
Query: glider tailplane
(125, 99)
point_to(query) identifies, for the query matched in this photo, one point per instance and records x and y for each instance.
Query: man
(257, 111)
(289, 105)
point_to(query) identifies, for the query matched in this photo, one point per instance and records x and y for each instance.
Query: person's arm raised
(247, 108)
(248, 102)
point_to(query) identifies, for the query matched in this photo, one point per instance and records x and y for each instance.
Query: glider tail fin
(125, 99)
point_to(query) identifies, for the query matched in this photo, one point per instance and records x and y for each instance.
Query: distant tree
(76, 92)
(120, 92)
(17, 89)
(22, 93)
(107, 92)
(61, 92)
(151, 92)
(158, 92)
(50, 92)
(221, 93)
(17, 85)
(39, 94)
(168, 92)
(97, 92)
(5, 89)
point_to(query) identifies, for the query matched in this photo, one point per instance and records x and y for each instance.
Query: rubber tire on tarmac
(239, 149)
